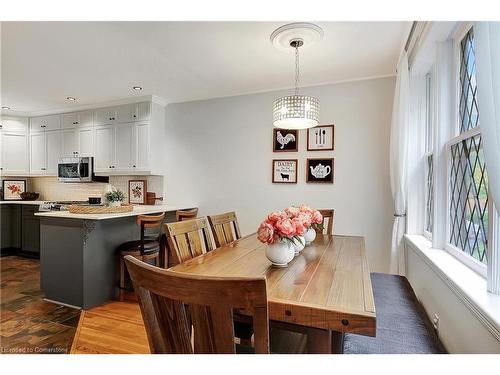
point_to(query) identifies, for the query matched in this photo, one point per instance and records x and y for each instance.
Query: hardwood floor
(116, 327)
(28, 324)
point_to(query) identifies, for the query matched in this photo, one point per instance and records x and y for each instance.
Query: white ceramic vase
(299, 244)
(115, 204)
(310, 236)
(280, 253)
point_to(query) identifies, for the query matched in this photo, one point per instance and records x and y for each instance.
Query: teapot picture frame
(320, 170)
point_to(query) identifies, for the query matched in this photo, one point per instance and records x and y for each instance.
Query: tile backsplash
(52, 190)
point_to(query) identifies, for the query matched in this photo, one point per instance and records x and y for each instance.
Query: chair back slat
(189, 214)
(164, 295)
(328, 214)
(225, 228)
(188, 239)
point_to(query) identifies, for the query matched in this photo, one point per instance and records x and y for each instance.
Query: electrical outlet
(435, 322)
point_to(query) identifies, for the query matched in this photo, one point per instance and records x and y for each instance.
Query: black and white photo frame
(321, 138)
(285, 140)
(285, 171)
(320, 170)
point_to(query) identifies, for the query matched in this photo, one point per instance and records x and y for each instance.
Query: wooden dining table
(324, 292)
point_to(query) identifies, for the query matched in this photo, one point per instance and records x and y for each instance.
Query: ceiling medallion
(296, 111)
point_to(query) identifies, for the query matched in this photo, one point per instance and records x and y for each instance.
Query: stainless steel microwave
(75, 169)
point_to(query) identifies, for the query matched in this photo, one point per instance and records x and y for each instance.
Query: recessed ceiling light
(137, 88)
(5, 107)
(70, 98)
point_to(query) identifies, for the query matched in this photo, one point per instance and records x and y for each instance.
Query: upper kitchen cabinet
(45, 150)
(78, 119)
(123, 114)
(105, 116)
(14, 124)
(78, 142)
(14, 145)
(44, 123)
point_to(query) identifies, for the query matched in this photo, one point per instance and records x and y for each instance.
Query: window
(429, 164)
(468, 180)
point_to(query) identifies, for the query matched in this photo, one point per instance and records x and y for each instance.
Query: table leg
(319, 341)
(337, 342)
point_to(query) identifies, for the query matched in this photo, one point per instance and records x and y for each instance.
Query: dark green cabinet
(30, 229)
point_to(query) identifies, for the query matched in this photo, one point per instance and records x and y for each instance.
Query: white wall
(220, 152)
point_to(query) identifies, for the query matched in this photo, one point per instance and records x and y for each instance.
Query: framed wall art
(137, 191)
(285, 140)
(321, 138)
(12, 189)
(285, 171)
(320, 170)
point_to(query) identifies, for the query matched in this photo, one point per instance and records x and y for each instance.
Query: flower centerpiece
(311, 219)
(287, 232)
(115, 197)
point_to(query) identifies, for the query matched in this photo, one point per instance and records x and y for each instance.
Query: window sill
(468, 286)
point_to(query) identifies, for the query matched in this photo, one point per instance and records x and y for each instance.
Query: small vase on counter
(310, 236)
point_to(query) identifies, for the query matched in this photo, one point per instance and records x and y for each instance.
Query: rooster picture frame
(285, 140)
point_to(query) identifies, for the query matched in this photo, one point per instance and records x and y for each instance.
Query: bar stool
(147, 248)
(188, 214)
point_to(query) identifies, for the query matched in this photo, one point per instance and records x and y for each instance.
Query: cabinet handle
(43, 169)
(1, 126)
(1, 168)
(76, 122)
(43, 126)
(133, 166)
(135, 116)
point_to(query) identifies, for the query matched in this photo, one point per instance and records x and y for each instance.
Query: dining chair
(166, 296)
(147, 247)
(225, 228)
(327, 214)
(188, 239)
(189, 214)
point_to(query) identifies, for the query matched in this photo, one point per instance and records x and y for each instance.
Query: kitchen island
(78, 260)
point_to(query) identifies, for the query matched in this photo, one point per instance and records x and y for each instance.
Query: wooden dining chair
(189, 214)
(188, 239)
(225, 228)
(327, 214)
(165, 295)
(149, 246)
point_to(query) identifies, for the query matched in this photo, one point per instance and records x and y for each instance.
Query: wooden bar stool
(189, 214)
(147, 248)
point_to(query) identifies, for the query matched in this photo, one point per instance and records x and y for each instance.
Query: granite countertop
(33, 203)
(138, 210)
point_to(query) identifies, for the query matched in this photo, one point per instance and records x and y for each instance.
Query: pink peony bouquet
(288, 224)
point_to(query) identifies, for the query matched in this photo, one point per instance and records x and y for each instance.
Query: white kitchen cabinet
(14, 152)
(53, 151)
(14, 124)
(105, 116)
(78, 142)
(45, 123)
(77, 119)
(126, 113)
(38, 163)
(143, 111)
(124, 135)
(104, 148)
(141, 147)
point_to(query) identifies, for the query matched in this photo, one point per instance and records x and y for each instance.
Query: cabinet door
(85, 119)
(86, 142)
(123, 150)
(38, 163)
(126, 113)
(104, 148)
(69, 120)
(70, 142)
(53, 147)
(14, 152)
(143, 111)
(43, 123)
(104, 116)
(141, 147)
(14, 124)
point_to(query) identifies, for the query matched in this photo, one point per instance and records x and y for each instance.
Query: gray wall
(220, 155)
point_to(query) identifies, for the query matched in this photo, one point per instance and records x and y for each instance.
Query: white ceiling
(44, 62)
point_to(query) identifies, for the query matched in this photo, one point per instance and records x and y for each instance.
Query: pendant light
(295, 111)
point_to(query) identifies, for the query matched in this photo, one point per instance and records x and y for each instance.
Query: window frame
(458, 137)
(429, 147)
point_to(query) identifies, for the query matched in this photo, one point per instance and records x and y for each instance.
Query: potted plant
(115, 197)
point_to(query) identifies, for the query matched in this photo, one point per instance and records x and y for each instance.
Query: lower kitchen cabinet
(20, 229)
(30, 229)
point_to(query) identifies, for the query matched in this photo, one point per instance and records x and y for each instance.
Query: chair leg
(122, 278)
